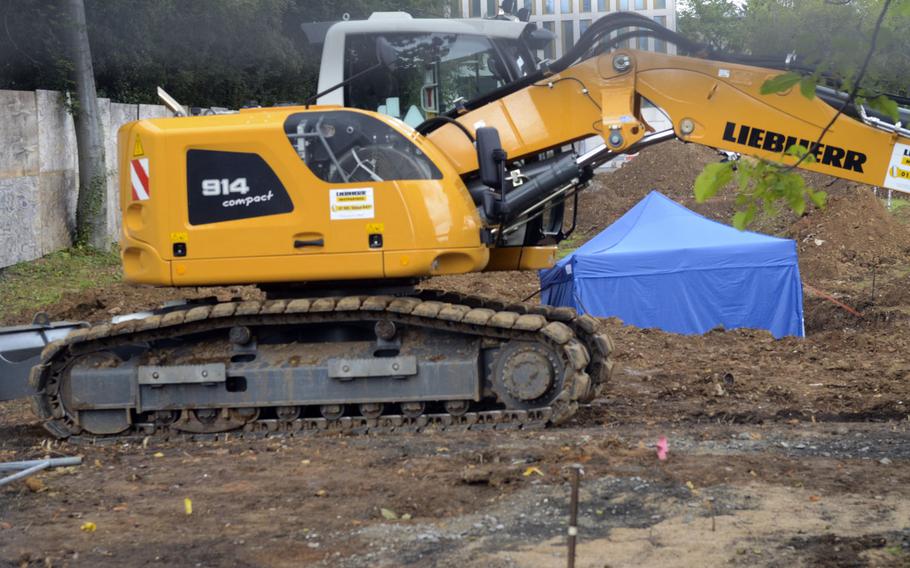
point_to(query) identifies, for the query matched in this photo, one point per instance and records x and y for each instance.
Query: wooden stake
(573, 516)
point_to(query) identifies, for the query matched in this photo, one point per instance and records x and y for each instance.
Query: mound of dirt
(852, 234)
(670, 168)
(841, 241)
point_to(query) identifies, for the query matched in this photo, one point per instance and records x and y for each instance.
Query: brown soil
(782, 453)
(854, 233)
(101, 304)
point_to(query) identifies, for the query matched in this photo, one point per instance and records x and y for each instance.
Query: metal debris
(24, 469)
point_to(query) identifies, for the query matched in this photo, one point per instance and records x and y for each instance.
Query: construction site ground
(790, 452)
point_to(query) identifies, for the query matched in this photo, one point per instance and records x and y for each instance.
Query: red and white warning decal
(139, 175)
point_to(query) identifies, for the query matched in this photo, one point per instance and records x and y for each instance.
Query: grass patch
(31, 286)
(569, 245)
(900, 208)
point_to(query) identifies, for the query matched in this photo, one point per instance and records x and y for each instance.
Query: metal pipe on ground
(31, 467)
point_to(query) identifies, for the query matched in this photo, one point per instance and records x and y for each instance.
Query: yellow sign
(375, 227)
(181, 237)
(899, 173)
(137, 148)
(905, 161)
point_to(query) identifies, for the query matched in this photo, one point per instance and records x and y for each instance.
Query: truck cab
(440, 62)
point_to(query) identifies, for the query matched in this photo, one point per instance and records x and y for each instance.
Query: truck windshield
(433, 72)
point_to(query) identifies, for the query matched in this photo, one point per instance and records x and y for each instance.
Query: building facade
(568, 19)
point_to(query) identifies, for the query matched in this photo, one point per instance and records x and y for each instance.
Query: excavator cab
(439, 65)
(441, 62)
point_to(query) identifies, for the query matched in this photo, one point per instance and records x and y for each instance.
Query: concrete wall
(39, 171)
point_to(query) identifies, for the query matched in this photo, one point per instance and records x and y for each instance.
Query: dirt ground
(782, 453)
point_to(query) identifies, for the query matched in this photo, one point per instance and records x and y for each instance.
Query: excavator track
(88, 388)
(599, 345)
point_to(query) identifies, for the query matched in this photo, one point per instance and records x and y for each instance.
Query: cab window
(433, 72)
(343, 146)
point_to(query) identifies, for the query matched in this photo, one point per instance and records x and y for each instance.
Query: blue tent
(662, 265)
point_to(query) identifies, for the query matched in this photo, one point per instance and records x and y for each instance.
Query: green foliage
(807, 86)
(835, 46)
(886, 106)
(801, 153)
(712, 179)
(89, 222)
(32, 286)
(780, 83)
(569, 245)
(785, 81)
(760, 187)
(713, 22)
(830, 36)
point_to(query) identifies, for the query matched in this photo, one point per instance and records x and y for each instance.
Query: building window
(548, 51)
(474, 12)
(565, 6)
(660, 4)
(659, 44)
(549, 7)
(641, 4)
(568, 35)
(583, 26)
(622, 5)
(624, 44)
(603, 5)
(641, 43)
(531, 5)
(585, 6)
(492, 9)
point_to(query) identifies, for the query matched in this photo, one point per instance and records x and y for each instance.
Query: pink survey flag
(662, 448)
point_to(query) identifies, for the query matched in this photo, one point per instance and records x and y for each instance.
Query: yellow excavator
(338, 214)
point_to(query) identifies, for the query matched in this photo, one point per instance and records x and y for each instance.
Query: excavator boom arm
(712, 103)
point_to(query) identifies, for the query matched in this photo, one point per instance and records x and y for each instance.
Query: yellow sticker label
(375, 227)
(897, 176)
(137, 148)
(180, 237)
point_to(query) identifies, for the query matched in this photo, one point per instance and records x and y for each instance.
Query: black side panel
(225, 186)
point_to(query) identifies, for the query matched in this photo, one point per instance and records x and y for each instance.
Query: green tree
(716, 23)
(205, 52)
(832, 39)
(820, 33)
